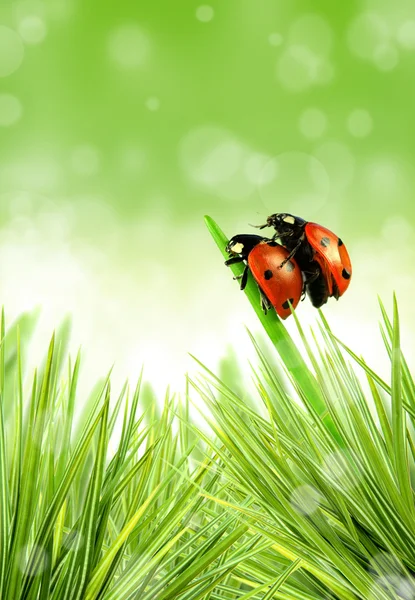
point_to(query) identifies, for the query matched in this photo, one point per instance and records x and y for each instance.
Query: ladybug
(278, 275)
(320, 253)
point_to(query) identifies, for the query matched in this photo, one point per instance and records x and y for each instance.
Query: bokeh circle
(11, 51)
(293, 179)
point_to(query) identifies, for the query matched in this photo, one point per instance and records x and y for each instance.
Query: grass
(303, 492)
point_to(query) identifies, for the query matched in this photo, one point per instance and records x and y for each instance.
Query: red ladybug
(278, 277)
(320, 253)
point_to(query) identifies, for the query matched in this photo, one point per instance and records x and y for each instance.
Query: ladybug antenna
(259, 226)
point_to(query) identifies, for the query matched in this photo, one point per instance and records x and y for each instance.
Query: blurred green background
(122, 124)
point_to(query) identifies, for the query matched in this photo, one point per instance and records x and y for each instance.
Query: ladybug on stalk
(278, 277)
(320, 253)
(309, 259)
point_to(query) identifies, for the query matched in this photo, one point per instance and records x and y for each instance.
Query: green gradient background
(139, 118)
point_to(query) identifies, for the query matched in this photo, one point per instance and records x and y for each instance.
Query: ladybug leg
(282, 234)
(291, 254)
(310, 277)
(313, 276)
(279, 235)
(243, 278)
(265, 303)
(303, 292)
(234, 260)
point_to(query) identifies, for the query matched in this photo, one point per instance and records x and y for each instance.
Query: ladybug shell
(279, 284)
(332, 256)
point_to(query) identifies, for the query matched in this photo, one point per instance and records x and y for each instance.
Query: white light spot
(305, 499)
(366, 33)
(405, 587)
(32, 29)
(275, 39)
(85, 160)
(221, 163)
(41, 555)
(294, 177)
(269, 172)
(312, 31)
(46, 11)
(339, 163)
(297, 68)
(212, 156)
(73, 540)
(254, 166)
(386, 57)
(397, 228)
(204, 13)
(384, 563)
(384, 176)
(132, 159)
(10, 110)
(26, 8)
(406, 35)
(387, 178)
(153, 103)
(324, 72)
(33, 172)
(341, 469)
(312, 123)
(129, 46)
(388, 572)
(11, 51)
(360, 123)
(59, 10)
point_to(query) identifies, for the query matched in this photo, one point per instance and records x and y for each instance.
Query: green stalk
(286, 348)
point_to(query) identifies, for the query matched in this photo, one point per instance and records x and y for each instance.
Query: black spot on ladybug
(325, 241)
(346, 274)
(339, 242)
(286, 305)
(268, 274)
(290, 266)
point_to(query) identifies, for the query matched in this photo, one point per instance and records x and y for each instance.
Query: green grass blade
(282, 579)
(4, 486)
(69, 417)
(398, 416)
(2, 353)
(16, 467)
(31, 461)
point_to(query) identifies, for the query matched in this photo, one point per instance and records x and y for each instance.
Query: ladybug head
(235, 245)
(284, 222)
(281, 219)
(242, 244)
